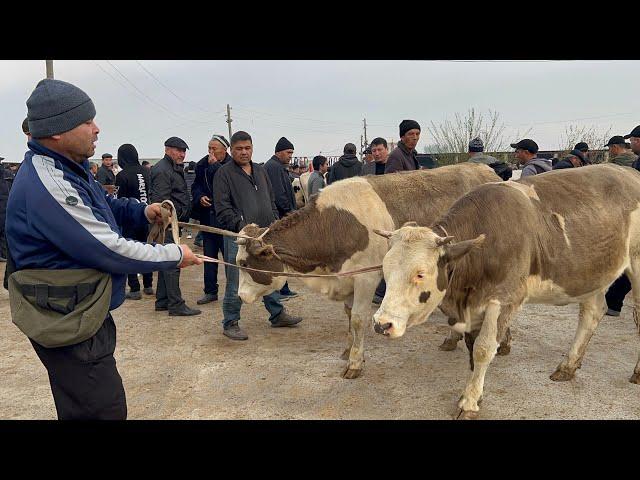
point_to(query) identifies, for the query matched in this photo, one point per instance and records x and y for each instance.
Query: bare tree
(593, 136)
(454, 136)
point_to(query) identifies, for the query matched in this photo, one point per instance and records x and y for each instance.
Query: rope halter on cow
(170, 218)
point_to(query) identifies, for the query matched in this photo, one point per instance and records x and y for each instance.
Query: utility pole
(366, 142)
(361, 147)
(49, 64)
(229, 120)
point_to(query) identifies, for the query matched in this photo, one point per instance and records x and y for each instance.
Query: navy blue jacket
(59, 217)
(281, 184)
(203, 187)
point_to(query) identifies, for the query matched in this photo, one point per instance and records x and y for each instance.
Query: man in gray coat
(168, 183)
(526, 151)
(316, 179)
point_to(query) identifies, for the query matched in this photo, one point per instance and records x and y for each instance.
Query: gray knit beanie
(56, 107)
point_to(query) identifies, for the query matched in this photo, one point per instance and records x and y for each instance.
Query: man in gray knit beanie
(56, 107)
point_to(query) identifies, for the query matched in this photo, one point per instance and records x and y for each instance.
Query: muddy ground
(184, 368)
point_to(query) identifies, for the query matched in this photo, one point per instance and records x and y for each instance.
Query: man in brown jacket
(403, 156)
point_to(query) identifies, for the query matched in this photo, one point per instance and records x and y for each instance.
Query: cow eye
(420, 276)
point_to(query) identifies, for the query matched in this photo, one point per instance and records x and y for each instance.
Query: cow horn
(383, 233)
(443, 240)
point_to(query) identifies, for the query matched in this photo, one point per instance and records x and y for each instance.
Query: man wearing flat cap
(168, 183)
(106, 175)
(620, 152)
(403, 157)
(62, 227)
(526, 154)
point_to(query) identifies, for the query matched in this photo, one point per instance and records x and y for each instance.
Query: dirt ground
(184, 368)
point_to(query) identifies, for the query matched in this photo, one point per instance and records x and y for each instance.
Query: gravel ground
(184, 368)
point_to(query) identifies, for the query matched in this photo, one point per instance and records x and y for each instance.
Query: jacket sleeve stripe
(99, 230)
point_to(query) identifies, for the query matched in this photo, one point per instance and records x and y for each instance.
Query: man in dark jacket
(619, 289)
(403, 157)
(276, 168)
(4, 196)
(347, 165)
(168, 183)
(575, 159)
(105, 173)
(477, 155)
(242, 195)
(133, 182)
(202, 194)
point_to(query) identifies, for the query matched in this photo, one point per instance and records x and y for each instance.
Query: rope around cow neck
(170, 218)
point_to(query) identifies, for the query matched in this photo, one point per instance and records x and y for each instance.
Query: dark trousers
(381, 289)
(212, 244)
(168, 292)
(84, 379)
(147, 278)
(616, 293)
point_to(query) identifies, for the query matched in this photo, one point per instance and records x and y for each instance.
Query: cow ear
(455, 251)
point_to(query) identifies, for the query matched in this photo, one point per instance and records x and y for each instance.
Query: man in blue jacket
(60, 218)
(202, 194)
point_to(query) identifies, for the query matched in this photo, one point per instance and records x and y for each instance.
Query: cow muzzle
(382, 329)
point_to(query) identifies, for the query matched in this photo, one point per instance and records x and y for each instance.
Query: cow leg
(451, 342)
(495, 323)
(363, 288)
(634, 278)
(505, 343)
(348, 305)
(591, 312)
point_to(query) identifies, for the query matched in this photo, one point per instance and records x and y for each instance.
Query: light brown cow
(334, 233)
(573, 232)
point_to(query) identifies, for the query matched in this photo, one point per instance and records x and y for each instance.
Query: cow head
(259, 255)
(415, 270)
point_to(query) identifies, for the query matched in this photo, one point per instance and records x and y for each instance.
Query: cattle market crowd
(74, 235)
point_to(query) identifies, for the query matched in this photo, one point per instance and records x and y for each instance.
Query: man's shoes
(612, 313)
(2, 259)
(184, 312)
(161, 308)
(149, 291)
(234, 332)
(285, 320)
(377, 299)
(208, 298)
(134, 295)
(287, 294)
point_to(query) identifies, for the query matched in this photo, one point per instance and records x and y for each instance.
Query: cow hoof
(635, 378)
(345, 354)
(448, 345)
(561, 376)
(466, 415)
(351, 373)
(504, 349)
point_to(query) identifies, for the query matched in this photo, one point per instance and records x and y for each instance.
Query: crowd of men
(61, 213)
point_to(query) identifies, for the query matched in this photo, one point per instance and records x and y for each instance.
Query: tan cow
(334, 233)
(558, 238)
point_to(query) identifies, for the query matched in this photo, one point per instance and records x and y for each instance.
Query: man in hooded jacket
(347, 165)
(133, 182)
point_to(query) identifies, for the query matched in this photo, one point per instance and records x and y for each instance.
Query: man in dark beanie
(134, 182)
(282, 189)
(347, 165)
(65, 238)
(403, 157)
(202, 193)
(168, 183)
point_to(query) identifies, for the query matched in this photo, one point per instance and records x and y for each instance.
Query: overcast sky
(319, 105)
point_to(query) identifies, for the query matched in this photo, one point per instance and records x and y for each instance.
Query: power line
(175, 94)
